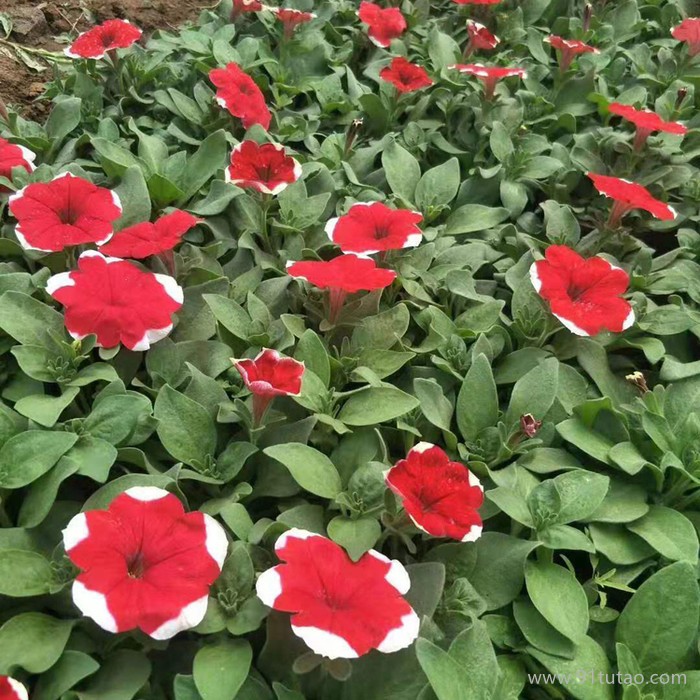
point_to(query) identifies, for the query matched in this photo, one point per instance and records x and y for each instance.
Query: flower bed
(349, 351)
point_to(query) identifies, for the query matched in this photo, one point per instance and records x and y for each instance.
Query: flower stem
(260, 406)
(337, 299)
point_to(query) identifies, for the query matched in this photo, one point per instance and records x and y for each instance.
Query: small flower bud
(529, 425)
(637, 380)
(587, 14)
(680, 97)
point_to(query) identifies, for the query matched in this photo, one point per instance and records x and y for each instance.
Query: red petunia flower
(405, 76)
(117, 301)
(341, 276)
(238, 93)
(688, 31)
(441, 497)
(265, 168)
(480, 38)
(64, 212)
(241, 7)
(371, 227)
(629, 195)
(646, 122)
(145, 563)
(270, 375)
(145, 239)
(569, 49)
(291, 19)
(10, 689)
(584, 294)
(489, 75)
(13, 155)
(385, 25)
(340, 608)
(108, 36)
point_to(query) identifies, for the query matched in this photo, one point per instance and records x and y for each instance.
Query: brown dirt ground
(37, 24)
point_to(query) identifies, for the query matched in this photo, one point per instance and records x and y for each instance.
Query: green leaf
(29, 321)
(574, 495)
(232, 316)
(559, 597)
(120, 677)
(68, 671)
(64, 117)
(439, 185)
(135, 198)
(208, 159)
(669, 532)
(660, 622)
(477, 401)
(535, 392)
(474, 217)
(355, 536)
(25, 457)
(219, 670)
(401, 169)
(186, 429)
(115, 418)
(32, 641)
(24, 573)
(311, 469)
(311, 351)
(376, 405)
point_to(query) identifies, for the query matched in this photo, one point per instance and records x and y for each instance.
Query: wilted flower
(108, 36)
(489, 75)
(384, 24)
(340, 608)
(67, 211)
(441, 497)
(369, 228)
(145, 239)
(145, 563)
(688, 31)
(13, 155)
(629, 195)
(405, 76)
(238, 93)
(265, 168)
(267, 376)
(638, 380)
(341, 276)
(529, 425)
(646, 122)
(584, 294)
(569, 49)
(117, 301)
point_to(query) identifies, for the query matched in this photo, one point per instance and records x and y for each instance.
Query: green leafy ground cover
(589, 554)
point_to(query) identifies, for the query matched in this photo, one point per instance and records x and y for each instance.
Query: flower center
(381, 232)
(136, 566)
(68, 216)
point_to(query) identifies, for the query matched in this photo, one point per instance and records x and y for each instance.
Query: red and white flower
(489, 75)
(341, 276)
(688, 31)
(267, 376)
(568, 49)
(10, 689)
(373, 227)
(67, 211)
(340, 608)
(13, 155)
(385, 25)
(142, 240)
(480, 38)
(117, 301)
(646, 122)
(291, 19)
(242, 7)
(108, 36)
(405, 76)
(585, 294)
(630, 195)
(145, 563)
(441, 497)
(265, 168)
(238, 93)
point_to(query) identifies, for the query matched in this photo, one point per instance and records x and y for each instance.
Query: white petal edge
(146, 494)
(329, 228)
(216, 541)
(19, 690)
(56, 282)
(413, 240)
(535, 278)
(171, 287)
(402, 636)
(152, 336)
(190, 616)
(117, 201)
(629, 321)
(94, 605)
(572, 326)
(473, 534)
(294, 533)
(29, 156)
(268, 587)
(396, 576)
(325, 643)
(25, 243)
(421, 447)
(75, 532)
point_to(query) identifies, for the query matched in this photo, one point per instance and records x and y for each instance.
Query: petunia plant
(350, 350)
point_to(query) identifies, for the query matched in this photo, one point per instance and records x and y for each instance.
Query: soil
(47, 26)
